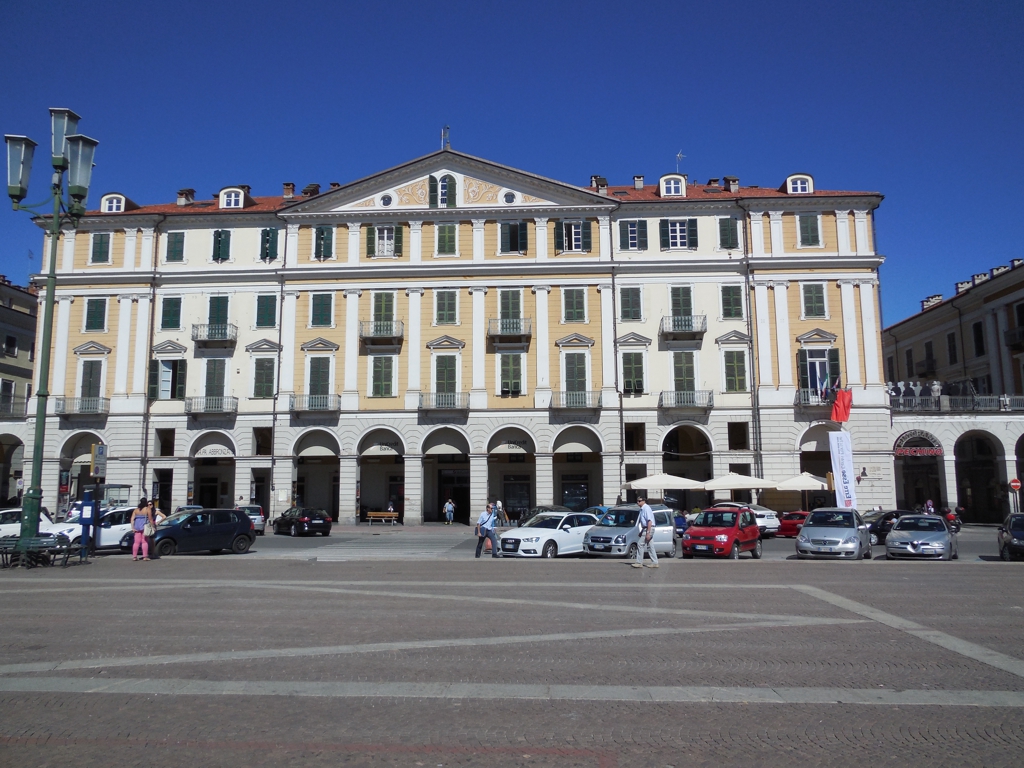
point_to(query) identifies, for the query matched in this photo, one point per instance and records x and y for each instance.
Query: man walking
(449, 512)
(485, 530)
(645, 541)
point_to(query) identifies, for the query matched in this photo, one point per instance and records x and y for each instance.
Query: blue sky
(921, 101)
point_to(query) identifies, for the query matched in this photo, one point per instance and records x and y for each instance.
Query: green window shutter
(633, 372)
(222, 245)
(95, 314)
(268, 245)
(399, 239)
(575, 372)
(100, 248)
(170, 315)
(732, 302)
(814, 300)
(321, 310)
(320, 376)
(524, 237)
(383, 307)
(176, 246)
(682, 302)
(586, 235)
(663, 230)
(691, 233)
(623, 235)
(446, 243)
(445, 374)
(834, 372)
(451, 191)
(575, 309)
(263, 379)
(446, 312)
(629, 303)
(432, 184)
(266, 311)
(506, 244)
(511, 373)
(371, 241)
(215, 377)
(218, 310)
(683, 370)
(735, 372)
(641, 235)
(91, 371)
(179, 383)
(809, 230)
(559, 235)
(154, 379)
(728, 234)
(324, 243)
(801, 365)
(382, 372)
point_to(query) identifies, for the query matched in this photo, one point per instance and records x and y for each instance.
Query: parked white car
(108, 530)
(767, 519)
(10, 522)
(547, 534)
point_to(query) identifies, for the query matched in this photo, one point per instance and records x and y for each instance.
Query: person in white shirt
(645, 542)
(449, 512)
(485, 530)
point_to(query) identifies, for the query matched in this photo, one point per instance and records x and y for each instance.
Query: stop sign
(1015, 484)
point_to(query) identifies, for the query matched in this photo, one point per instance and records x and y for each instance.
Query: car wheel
(1004, 553)
(889, 557)
(631, 552)
(757, 550)
(240, 545)
(550, 550)
(873, 538)
(671, 552)
(734, 553)
(165, 548)
(294, 530)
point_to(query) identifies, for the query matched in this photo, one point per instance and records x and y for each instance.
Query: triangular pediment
(445, 342)
(575, 340)
(633, 340)
(169, 348)
(817, 336)
(263, 345)
(319, 344)
(481, 185)
(733, 337)
(92, 348)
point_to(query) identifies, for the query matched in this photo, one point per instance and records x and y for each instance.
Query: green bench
(40, 550)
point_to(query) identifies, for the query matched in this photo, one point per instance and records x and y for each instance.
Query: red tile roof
(207, 206)
(650, 193)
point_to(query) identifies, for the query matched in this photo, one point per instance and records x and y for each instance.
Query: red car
(791, 524)
(723, 532)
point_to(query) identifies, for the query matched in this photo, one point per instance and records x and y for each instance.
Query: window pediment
(633, 340)
(263, 345)
(733, 337)
(817, 336)
(169, 349)
(92, 348)
(319, 344)
(576, 340)
(446, 343)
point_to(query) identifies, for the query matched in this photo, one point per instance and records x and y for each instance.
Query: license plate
(507, 545)
(701, 546)
(599, 546)
(826, 549)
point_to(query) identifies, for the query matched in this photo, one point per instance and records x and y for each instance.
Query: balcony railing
(812, 397)
(683, 326)
(215, 334)
(915, 404)
(700, 398)
(444, 401)
(81, 406)
(576, 400)
(955, 403)
(198, 405)
(1014, 337)
(307, 403)
(514, 326)
(13, 408)
(381, 330)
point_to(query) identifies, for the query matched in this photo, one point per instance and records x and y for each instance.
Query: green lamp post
(71, 153)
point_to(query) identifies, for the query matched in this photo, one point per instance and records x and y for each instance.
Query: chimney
(712, 182)
(245, 188)
(288, 191)
(979, 278)
(931, 301)
(311, 190)
(601, 183)
(593, 180)
(996, 271)
(186, 196)
(335, 184)
(638, 182)
(732, 183)
(963, 285)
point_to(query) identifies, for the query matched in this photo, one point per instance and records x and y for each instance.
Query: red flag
(841, 406)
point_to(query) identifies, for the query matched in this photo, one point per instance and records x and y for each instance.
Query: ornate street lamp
(73, 153)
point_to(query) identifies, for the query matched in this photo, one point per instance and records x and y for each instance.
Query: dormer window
(799, 185)
(673, 186)
(113, 204)
(232, 198)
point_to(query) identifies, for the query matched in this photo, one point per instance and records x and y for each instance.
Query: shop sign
(902, 449)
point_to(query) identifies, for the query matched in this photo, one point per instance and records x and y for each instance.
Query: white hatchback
(547, 534)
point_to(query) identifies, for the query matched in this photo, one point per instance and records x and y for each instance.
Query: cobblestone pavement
(241, 661)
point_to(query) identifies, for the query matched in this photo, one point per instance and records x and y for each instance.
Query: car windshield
(715, 519)
(931, 525)
(620, 518)
(831, 520)
(543, 521)
(793, 516)
(174, 519)
(1017, 523)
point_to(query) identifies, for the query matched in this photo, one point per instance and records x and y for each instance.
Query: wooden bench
(382, 516)
(39, 550)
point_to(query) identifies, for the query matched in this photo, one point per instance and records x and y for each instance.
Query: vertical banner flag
(841, 448)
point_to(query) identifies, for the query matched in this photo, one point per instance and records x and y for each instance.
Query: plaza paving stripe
(411, 645)
(491, 691)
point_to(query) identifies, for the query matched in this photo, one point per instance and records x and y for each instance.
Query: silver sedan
(918, 537)
(834, 533)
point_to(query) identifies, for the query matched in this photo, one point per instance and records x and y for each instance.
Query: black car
(879, 525)
(209, 529)
(298, 521)
(1011, 537)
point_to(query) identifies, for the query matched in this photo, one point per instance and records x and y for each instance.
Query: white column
(478, 239)
(992, 346)
(124, 321)
(540, 238)
(348, 473)
(412, 390)
(60, 349)
(350, 395)
(141, 345)
(147, 258)
(287, 372)
(545, 478)
(291, 249)
(860, 225)
(869, 324)
(949, 472)
(478, 482)
(129, 249)
(67, 262)
(413, 514)
(757, 233)
(775, 224)
(478, 393)
(843, 232)
(353, 242)
(611, 476)
(764, 335)
(542, 395)
(607, 343)
(604, 227)
(850, 341)
(415, 242)
(1005, 362)
(781, 288)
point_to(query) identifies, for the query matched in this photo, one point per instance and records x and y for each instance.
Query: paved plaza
(400, 649)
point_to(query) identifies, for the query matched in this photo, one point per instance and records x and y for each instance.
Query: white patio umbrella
(733, 482)
(662, 481)
(805, 481)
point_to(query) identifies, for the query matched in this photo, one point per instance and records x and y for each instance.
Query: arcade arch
(446, 474)
(981, 481)
(920, 471)
(381, 478)
(577, 471)
(317, 471)
(212, 470)
(686, 452)
(512, 470)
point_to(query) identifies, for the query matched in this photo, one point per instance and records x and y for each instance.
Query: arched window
(442, 191)
(231, 199)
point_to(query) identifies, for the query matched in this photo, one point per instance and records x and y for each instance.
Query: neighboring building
(956, 374)
(18, 330)
(455, 327)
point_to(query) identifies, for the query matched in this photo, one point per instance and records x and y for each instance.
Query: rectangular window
(11, 346)
(929, 351)
(739, 435)
(384, 241)
(447, 307)
(809, 236)
(514, 237)
(447, 244)
(678, 233)
(510, 304)
(7, 396)
(572, 236)
(1019, 314)
(321, 313)
(511, 375)
(170, 315)
(221, 245)
(978, 329)
(323, 243)
(101, 248)
(735, 370)
(819, 369)
(728, 234)
(951, 348)
(814, 299)
(263, 377)
(683, 371)
(175, 246)
(575, 305)
(575, 372)
(909, 354)
(219, 311)
(635, 436)
(445, 374)
(92, 372)
(682, 301)
(95, 314)
(633, 373)
(383, 307)
(215, 371)
(319, 376)
(890, 368)
(732, 302)
(629, 304)
(383, 370)
(633, 235)
(266, 311)
(268, 245)
(167, 379)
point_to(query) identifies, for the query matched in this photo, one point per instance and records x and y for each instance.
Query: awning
(805, 481)
(661, 482)
(733, 482)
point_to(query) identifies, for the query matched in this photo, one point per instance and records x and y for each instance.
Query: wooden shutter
(623, 235)
(154, 379)
(834, 372)
(576, 372)
(91, 370)
(801, 366)
(445, 373)
(324, 247)
(218, 310)
(221, 245)
(511, 373)
(585, 226)
(684, 372)
(450, 191)
(170, 315)
(215, 378)
(181, 366)
(559, 235)
(432, 184)
(728, 234)
(263, 379)
(95, 314)
(382, 367)
(371, 241)
(266, 311)
(663, 230)
(399, 239)
(445, 307)
(809, 230)
(100, 248)
(682, 303)
(511, 307)
(176, 246)
(383, 307)
(268, 245)
(319, 376)
(524, 238)
(506, 238)
(691, 233)
(641, 235)
(321, 310)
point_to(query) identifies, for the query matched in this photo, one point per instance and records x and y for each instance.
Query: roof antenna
(679, 159)
(445, 142)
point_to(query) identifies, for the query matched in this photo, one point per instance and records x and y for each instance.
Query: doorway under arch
(687, 453)
(381, 473)
(446, 474)
(317, 471)
(980, 478)
(512, 470)
(917, 459)
(576, 468)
